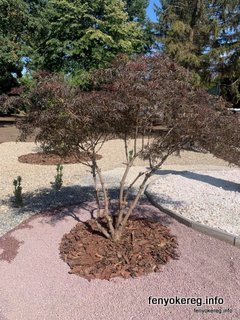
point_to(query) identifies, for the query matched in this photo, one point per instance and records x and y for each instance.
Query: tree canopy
(124, 102)
(83, 35)
(136, 9)
(204, 37)
(13, 26)
(72, 37)
(77, 37)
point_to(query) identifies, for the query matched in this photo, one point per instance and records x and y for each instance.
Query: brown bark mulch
(53, 159)
(144, 248)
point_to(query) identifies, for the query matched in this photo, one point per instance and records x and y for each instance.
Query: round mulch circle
(144, 248)
(52, 158)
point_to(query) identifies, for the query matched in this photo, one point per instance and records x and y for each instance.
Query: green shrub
(18, 200)
(57, 184)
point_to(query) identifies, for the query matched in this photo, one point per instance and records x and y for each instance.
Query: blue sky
(150, 11)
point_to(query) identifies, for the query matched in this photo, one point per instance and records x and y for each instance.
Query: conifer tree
(80, 36)
(13, 26)
(136, 9)
(204, 37)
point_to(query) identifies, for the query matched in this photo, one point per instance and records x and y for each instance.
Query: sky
(150, 11)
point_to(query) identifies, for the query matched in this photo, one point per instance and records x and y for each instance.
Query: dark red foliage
(125, 101)
(128, 98)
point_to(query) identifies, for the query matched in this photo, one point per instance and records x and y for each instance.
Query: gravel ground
(208, 197)
(37, 191)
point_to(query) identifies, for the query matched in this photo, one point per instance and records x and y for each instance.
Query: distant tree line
(75, 38)
(72, 37)
(203, 36)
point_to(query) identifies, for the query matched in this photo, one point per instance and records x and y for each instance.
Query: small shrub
(130, 155)
(18, 200)
(57, 184)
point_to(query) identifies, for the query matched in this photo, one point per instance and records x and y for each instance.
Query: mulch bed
(52, 158)
(144, 248)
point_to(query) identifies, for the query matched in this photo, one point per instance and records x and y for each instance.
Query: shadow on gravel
(59, 204)
(48, 198)
(143, 210)
(216, 182)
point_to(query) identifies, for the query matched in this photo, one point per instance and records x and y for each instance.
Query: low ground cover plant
(125, 101)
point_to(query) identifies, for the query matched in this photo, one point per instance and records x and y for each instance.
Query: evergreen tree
(204, 37)
(184, 29)
(13, 28)
(136, 9)
(224, 56)
(80, 36)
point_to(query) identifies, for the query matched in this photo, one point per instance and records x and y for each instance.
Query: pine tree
(224, 56)
(204, 37)
(183, 30)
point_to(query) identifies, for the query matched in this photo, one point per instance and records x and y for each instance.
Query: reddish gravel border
(41, 158)
(35, 283)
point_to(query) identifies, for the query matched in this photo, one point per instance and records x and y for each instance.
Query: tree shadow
(216, 182)
(145, 210)
(48, 198)
(58, 205)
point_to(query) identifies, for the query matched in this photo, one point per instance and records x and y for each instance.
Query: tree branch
(123, 220)
(122, 183)
(106, 202)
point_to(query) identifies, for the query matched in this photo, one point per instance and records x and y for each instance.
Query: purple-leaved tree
(125, 101)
